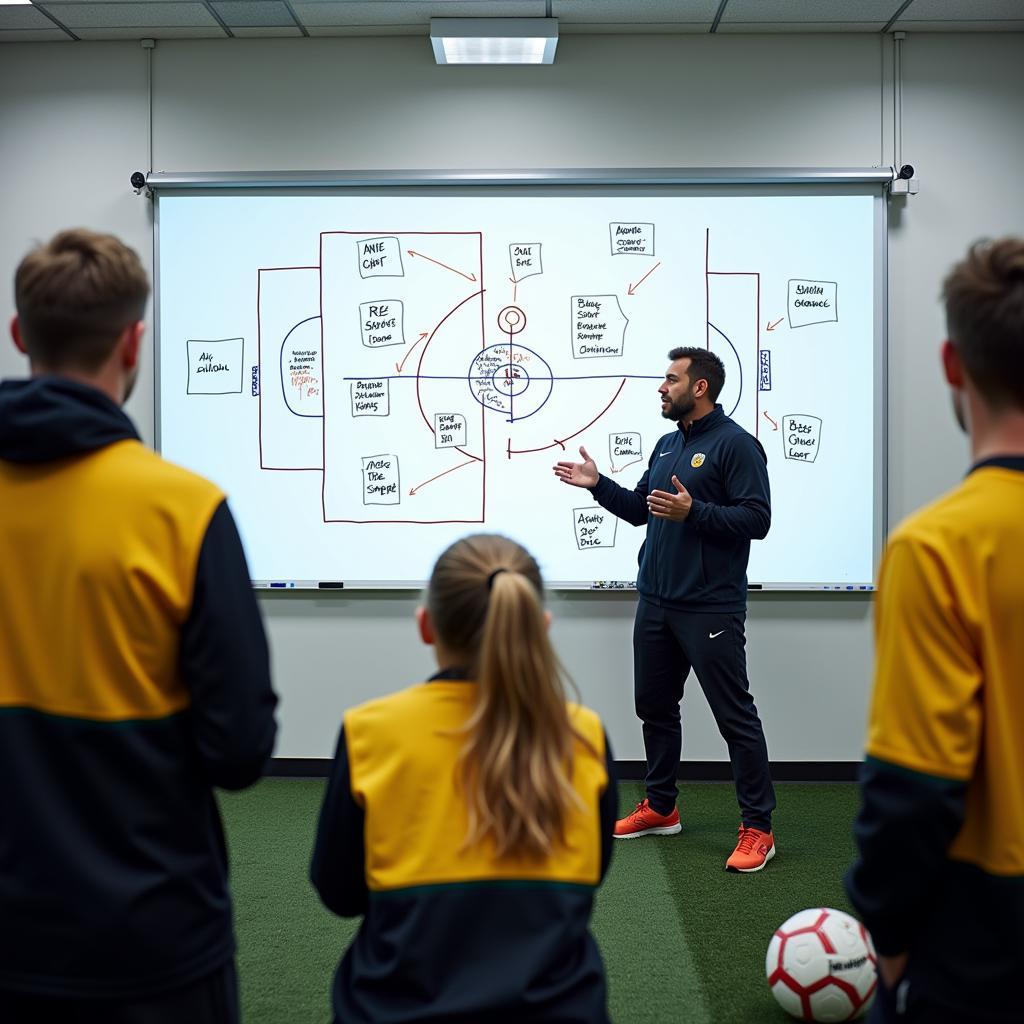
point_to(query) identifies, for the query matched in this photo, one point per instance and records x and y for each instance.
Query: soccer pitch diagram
(415, 368)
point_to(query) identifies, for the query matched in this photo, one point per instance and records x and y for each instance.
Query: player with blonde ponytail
(516, 762)
(469, 818)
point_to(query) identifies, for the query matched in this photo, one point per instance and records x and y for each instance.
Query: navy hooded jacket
(699, 564)
(134, 677)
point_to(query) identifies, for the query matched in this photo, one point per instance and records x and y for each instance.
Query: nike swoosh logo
(662, 455)
(711, 636)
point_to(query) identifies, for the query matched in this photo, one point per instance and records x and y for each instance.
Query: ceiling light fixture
(494, 40)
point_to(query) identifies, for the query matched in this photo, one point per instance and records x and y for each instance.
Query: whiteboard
(370, 375)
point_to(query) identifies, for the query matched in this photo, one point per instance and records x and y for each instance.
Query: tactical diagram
(427, 372)
(477, 384)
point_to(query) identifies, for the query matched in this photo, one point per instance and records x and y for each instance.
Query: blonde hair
(75, 295)
(486, 601)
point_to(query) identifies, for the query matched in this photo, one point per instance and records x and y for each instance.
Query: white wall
(73, 127)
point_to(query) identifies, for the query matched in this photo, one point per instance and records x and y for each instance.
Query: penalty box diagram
(423, 395)
(416, 395)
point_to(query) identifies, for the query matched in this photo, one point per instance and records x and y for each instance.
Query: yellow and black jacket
(452, 934)
(133, 678)
(941, 830)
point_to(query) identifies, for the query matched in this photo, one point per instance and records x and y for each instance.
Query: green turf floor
(683, 941)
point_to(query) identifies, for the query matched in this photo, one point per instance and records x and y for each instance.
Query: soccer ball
(821, 966)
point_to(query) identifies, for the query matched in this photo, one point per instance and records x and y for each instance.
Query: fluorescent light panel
(11, 3)
(494, 40)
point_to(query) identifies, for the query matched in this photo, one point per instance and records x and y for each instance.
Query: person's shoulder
(729, 431)
(737, 439)
(153, 476)
(587, 722)
(939, 543)
(580, 712)
(401, 705)
(947, 519)
(146, 488)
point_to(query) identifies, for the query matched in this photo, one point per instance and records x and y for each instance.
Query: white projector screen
(370, 374)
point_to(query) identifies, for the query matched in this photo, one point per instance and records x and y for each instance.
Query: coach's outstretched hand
(578, 474)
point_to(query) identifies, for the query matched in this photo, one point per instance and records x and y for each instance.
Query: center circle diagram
(510, 379)
(511, 320)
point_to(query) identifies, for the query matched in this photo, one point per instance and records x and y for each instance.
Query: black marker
(330, 585)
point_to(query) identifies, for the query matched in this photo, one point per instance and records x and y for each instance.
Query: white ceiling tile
(35, 35)
(131, 15)
(408, 12)
(153, 32)
(652, 12)
(20, 17)
(957, 10)
(802, 12)
(958, 26)
(336, 31)
(255, 13)
(762, 27)
(169, 19)
(57, 5)
(269, 31)
(583, 28)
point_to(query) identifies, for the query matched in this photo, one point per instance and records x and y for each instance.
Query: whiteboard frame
(181, 180)
(873, 180)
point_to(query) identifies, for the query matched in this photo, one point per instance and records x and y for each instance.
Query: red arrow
(398, 366)
(775, 425)
(468, 277)
(633, 287)
(468, 462)
(771, 327)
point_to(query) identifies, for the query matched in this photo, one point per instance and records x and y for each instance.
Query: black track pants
(666, 645)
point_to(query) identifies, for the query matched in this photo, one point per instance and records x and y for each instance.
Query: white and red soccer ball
(821, 966)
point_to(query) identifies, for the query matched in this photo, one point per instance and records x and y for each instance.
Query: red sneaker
(646, 821)
(754, 849)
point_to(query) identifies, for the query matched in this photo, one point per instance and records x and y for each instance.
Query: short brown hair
(704, 365)
(75, 295)
(984, 296)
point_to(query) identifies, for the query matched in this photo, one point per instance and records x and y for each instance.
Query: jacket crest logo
(698, 460)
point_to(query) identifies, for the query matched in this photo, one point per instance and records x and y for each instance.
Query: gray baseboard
(628, 771)
(721, 771)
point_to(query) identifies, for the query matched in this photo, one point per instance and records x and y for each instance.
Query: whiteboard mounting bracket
(188, 180)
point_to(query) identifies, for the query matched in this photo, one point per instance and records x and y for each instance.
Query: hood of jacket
(47, 418)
